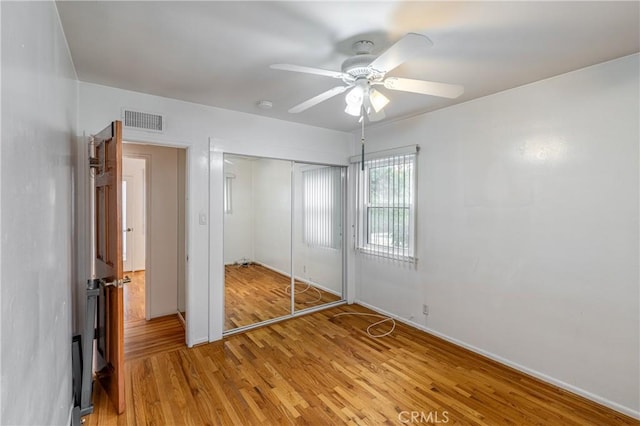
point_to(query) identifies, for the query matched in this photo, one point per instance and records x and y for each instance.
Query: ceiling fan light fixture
(354, 99)
(355, 96)
(353, 109)
(363, 70)
(377, 99)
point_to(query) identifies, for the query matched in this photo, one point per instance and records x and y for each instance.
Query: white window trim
(403, 150)
(362, 206)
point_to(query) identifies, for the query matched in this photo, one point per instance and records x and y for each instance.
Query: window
(228, 180)
(322, 203)
(386, 204)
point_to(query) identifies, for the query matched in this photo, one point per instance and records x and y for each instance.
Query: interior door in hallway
(108, 260)
(134, 210)
(127, 225)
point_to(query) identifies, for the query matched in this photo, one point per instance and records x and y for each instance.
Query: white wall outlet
(425, 310)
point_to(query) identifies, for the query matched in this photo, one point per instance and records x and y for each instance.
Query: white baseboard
(200, 341)
(321, 287)
(545, 378)
(286, 274)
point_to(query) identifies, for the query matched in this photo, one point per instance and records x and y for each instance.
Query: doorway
(154, 246)
(134, 236)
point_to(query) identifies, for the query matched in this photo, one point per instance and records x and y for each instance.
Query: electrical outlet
(425, 310)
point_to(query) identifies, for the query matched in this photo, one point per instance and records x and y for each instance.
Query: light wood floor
(254, 293)
(134, 294)
(324, 370)
(141, 337)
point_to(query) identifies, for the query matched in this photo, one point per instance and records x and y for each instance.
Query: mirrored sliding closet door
(257, 240)
(318, 235)
(283, 238)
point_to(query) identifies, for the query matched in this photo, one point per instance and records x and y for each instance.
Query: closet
(283, 239)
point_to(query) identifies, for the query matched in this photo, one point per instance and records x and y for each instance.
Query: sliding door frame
(343, 215)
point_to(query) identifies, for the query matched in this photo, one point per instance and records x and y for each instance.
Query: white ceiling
(218, 53)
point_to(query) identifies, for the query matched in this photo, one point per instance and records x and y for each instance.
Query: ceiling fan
(362, 72)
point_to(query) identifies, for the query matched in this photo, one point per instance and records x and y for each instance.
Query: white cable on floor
(288, 291)
(385, 319)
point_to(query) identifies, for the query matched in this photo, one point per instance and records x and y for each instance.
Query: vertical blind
(322, 199)
(228, 182)
(386, 203)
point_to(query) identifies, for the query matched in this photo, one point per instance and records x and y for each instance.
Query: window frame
(365, 204)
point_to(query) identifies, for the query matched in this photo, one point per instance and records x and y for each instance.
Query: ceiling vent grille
(143, 120)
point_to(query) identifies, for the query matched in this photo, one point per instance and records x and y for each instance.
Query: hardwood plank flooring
(254, 294)
(143, 338)
(324, 370)
(134, 296)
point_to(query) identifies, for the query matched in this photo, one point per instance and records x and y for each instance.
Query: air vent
(143, 120)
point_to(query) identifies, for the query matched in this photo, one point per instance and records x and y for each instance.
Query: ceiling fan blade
(317, 99)
(405, 48)
(443, 90)
(308, 70)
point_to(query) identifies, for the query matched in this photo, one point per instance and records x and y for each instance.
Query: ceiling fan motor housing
(358, 67)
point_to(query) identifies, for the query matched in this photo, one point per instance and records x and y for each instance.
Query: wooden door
(108, 261)
(128, 241)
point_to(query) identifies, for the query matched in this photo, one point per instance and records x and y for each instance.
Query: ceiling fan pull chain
(362, 139)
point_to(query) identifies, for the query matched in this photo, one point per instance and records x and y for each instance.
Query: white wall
(272, 213)
(238, 225)
(39, 120)
(528, 230)
(203, 130)
(161, 276)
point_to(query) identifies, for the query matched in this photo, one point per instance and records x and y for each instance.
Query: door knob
(116, 283)
(128, 230)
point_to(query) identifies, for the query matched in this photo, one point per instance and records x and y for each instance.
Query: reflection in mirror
(182, 232)
(318, 241)
(257, 239)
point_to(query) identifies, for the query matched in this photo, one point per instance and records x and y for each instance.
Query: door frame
(216, 212)
(147, 244)
(147, 158)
